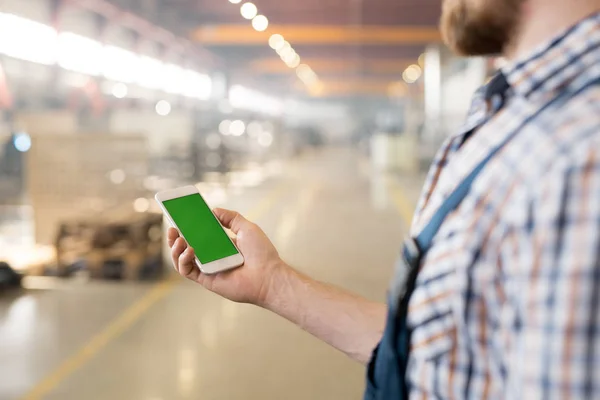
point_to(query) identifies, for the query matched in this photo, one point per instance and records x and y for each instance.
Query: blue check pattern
(507, 302)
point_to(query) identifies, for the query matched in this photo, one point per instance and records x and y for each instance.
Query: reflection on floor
(190, 344)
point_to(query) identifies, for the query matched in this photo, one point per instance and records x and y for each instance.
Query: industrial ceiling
(354, 46)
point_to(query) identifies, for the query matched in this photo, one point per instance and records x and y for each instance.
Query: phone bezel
(214, 267)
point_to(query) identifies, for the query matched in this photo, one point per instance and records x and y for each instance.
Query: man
(499, 298)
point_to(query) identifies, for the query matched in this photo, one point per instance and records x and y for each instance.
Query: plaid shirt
(507, 303)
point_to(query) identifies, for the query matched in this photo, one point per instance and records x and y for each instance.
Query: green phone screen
(200, 228)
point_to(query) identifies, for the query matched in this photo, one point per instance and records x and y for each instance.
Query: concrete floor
(328, 216)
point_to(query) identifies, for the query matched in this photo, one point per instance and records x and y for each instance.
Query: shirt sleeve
(557, 326)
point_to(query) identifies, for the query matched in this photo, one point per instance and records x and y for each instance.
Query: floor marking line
(404, 206)
(98, 342)
(127, 318)
(289, 220)
(266, 203)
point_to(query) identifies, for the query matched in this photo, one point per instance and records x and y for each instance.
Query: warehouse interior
(315, 119)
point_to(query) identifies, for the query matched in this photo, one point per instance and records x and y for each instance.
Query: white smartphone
(200, 228)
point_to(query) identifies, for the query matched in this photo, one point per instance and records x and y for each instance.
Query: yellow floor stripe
(127, 319)
(405, 207)
(98, 342)
(267, 202)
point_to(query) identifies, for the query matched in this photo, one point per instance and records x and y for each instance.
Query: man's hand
(348, 322)
(248, 284)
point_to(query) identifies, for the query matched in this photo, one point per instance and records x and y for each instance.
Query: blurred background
(316, 119)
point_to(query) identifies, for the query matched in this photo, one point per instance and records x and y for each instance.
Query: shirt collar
(543, 73)
(555, 64)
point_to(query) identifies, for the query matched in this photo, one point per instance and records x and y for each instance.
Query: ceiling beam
(327, 87)
(236, 35)
(331, 87)
(274, 65)
(355, 87)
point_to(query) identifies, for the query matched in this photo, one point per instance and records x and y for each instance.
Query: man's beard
(485, 28)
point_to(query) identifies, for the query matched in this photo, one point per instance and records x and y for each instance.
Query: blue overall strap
(425, 238)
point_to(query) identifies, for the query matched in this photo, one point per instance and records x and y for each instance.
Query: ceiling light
(260, 23)
(294, 62)
(163, 108)
(224, 127)
(288, 56)
(119, 90)
(237, 128)
(253, 100)
(276, 41)
(248, 10)
(412, 73)
(422, 60)
(306, 74)
(254, 129)
(316, 89)
(265, 139)
(286, 46)
(235, 1)
(303, 70)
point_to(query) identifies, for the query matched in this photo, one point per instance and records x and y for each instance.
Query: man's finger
(230, 219)
(172, 236)
(178, 248)
(187, 264)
